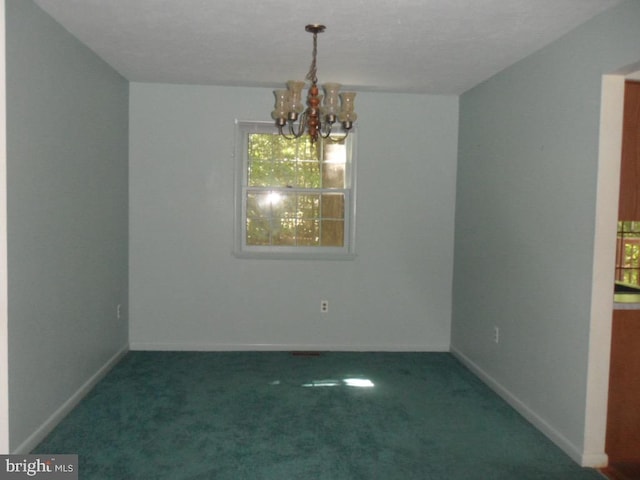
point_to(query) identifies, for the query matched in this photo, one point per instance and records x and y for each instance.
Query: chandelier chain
(312, 76)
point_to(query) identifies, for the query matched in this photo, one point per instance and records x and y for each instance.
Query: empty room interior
(474, 218)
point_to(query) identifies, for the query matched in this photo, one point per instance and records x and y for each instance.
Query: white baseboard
(43, 430)
(576, 454)
(210, 347)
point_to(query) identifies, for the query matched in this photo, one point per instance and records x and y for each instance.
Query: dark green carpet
(250, 415)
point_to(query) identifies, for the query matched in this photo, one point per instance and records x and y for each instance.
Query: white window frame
(242, 250)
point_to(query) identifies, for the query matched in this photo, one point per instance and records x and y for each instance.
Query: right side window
(628, 253)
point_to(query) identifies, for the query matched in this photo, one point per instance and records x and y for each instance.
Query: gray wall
(189, 292)
(67, 140)
(525, 210)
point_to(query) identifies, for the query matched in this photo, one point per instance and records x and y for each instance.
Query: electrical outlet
(324, 306)
(496, 334)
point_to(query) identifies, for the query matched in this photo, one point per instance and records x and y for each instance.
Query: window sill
(294, 256)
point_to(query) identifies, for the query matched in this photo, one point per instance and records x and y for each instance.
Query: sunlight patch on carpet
(349, 382)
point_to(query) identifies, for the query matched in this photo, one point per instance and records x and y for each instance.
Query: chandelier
(290, 114)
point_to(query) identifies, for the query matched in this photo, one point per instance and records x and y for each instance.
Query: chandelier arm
(325, 131)
(335, 139)
(287, 137)
(293, 134)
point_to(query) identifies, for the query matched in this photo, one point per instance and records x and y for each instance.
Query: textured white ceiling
(426, 46)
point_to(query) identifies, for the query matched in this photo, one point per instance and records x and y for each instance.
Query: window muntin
(295, 197)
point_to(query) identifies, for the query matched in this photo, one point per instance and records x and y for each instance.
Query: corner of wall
(48, 425)
(574, 451)
(4, 324)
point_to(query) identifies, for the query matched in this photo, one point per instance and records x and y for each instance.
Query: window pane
(283, 149)
(283, 231)
(309, 174)
(333, 205)
(333, 175)
(277, 162)
(628, 252)
(334, 161)
(290, 218)
(631, 254)
(335, 152)
(308, 232)
(258, 231)
(284, 173)
(308, 150)
(260, 173)
(283, 205)
(308, 206)
(332, 233)
(256, 205)
(260, 147)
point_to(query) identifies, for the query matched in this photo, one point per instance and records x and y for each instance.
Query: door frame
(606, 217)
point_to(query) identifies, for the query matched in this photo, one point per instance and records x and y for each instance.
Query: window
(628, 253)
(295, 199)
